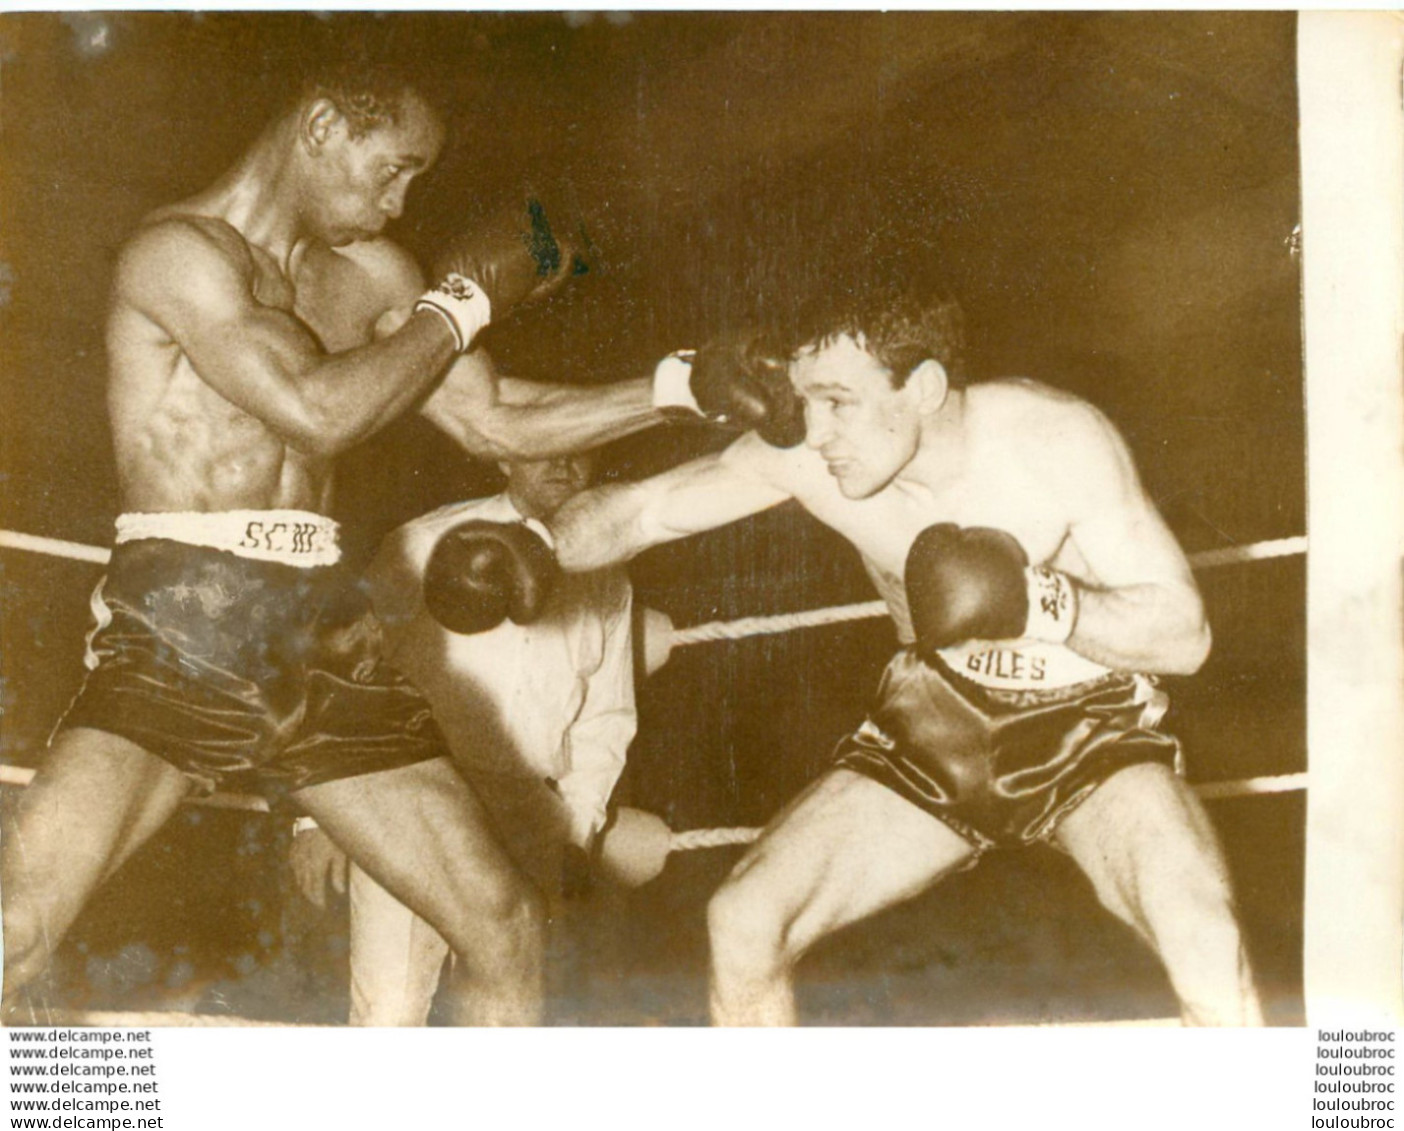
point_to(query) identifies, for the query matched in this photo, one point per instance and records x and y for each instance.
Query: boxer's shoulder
(1017, 399)
(174, 257)
(174, 237)
(1019, 413)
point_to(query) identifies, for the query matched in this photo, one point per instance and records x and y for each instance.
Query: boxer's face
(360, 183)
(541, 487)
(865, 429)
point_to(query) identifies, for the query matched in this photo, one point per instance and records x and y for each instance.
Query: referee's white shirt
(553, 699)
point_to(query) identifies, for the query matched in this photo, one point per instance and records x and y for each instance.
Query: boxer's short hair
(369, 95)
(900, 326)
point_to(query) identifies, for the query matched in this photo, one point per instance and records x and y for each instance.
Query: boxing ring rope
(658, 625)
(840, 614)
(54, 547)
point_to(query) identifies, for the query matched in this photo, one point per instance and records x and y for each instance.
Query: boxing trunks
(980, 740)
(234, 647)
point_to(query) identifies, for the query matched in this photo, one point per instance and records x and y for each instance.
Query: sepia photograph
(655, 519)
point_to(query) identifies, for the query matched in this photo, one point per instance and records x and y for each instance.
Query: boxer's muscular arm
(196, 280)
(493, 417)
(606, 525)
(1142, 610)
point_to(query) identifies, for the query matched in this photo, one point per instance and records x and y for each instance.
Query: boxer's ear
(319, 120)
(930, 384)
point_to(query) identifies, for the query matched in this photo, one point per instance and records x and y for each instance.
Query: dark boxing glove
(734, 382)
(514, 259)
(976, 584)
(482, 573)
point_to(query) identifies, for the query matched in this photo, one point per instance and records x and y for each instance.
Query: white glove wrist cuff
(672, 382)
(462, 304)
(304, 825)
(1052, 605)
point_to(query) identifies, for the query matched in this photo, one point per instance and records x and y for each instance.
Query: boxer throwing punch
(256, 331)
(1036, 591)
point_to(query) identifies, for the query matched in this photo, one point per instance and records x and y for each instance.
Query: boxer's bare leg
(95, 800)
(1146, 843)
(843, 850)
(420, 833)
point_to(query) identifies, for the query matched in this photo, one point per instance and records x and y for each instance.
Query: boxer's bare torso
(239, 335)
(183, 445)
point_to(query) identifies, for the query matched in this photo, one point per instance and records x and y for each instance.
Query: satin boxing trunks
(249, 661)
(979, 741)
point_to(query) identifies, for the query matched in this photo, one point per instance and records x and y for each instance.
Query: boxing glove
(736, 382)
(515, 259)
(976, 584)
(481, 573)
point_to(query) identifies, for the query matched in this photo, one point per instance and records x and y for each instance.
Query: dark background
(1112, 197)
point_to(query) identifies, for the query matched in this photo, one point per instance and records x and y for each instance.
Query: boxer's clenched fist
(482, 573)
(734, 381)
(975, 584)
(517, 258)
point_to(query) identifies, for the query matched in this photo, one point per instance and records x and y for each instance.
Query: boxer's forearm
(513, 419)
(608, 525)
(349, 396)
(544, 420)
(1152, 628)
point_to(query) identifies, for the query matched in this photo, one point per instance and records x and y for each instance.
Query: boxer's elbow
(577, 539)
(319, 421)
(1194, 650)
(598, 528)
(1190, 645)
(1159, 629)
(499, 433)
(580, 549)
(322, 433)
(312, 433)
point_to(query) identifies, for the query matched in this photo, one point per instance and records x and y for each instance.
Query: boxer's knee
(1195, 931)
(1193, 904)
(27, 947)
(523, 918)
(750, 931)
(504, 918)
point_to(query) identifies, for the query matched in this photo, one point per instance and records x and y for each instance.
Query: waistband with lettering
(289, 537)
(1021, 665)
